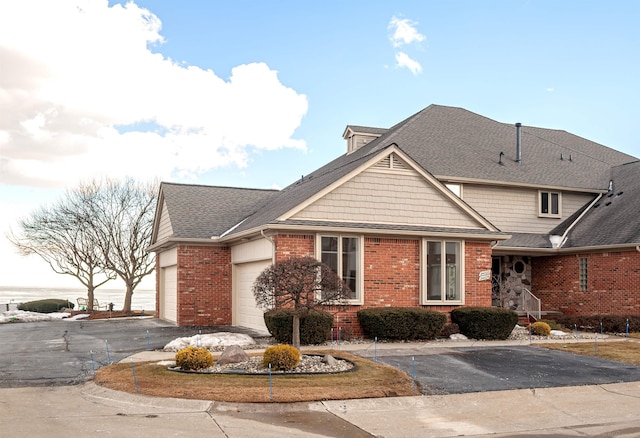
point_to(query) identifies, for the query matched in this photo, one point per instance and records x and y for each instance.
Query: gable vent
(391, 162)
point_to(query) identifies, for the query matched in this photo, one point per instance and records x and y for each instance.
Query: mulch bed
(105, 314)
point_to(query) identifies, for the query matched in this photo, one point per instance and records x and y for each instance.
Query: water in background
(143, 299)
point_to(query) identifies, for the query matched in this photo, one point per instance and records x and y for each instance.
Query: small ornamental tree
(301, 283)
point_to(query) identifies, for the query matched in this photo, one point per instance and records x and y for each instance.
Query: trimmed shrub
(46, 306)
(194, 358)
(401, 323)
(281, 357)
(315, 326)
(540, 328)
(449, 329)
(610, 323)
(485, 322)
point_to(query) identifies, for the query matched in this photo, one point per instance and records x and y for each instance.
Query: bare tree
(121, 215)
(302, 283)
(64, 243)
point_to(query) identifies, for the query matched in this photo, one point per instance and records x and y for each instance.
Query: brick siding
(613, 283)
(204, 286)
(391, 278)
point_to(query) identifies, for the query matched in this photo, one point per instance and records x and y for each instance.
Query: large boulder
(232, 354)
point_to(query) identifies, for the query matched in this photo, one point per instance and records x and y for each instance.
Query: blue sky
(258, 93)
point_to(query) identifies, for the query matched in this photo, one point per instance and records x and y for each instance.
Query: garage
(168, 293)
(246, 314)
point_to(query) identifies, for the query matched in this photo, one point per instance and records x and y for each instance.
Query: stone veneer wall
(613, 282)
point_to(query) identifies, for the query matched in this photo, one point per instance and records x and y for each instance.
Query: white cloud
(81, 87)
(403, 60)
(403, 31)
(551, 89)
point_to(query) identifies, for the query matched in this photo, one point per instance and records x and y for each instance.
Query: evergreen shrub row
(315, 326)
(401, 323)
(610, 323)
(50, 305)
(485, 322)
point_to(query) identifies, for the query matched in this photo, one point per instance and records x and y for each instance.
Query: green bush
(610, 323)
(194, 358)
(485, 322)
(281, 357)
(540, 328)
(449, 329)
(315, 326)
(50, 305)
(401, 323)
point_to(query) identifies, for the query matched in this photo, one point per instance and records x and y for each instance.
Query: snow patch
(210, 341)
(24, 316)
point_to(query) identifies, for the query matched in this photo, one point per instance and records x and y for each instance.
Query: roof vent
(518, 144)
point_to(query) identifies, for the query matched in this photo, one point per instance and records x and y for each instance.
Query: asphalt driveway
(54, 353)
(479, 369)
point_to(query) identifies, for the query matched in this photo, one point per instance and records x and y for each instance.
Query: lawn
(368, 380)
(620, 351)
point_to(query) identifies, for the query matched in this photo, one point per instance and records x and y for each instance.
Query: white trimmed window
(343, 254)
(442, 271)
(549, 204)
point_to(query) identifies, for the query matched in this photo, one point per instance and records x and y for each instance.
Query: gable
(165, 230)
(390, 191)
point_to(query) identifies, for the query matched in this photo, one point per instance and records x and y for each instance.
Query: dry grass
(369, 380)
(619, 351)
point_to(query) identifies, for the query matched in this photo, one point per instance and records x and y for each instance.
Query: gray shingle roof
(448, 142)
(615, 218)
(454, 142)
(203, 211)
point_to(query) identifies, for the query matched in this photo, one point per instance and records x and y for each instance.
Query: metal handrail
(531, 304)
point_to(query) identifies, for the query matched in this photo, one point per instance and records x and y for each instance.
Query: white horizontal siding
(516, 210)
(261, 249)
(385, 197)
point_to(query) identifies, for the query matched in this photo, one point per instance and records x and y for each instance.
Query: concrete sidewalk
(89, 410)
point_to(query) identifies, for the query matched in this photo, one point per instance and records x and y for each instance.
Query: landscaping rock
(329, 360)
(232, 354)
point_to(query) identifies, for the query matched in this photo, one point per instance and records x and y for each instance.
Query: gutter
(566, 232)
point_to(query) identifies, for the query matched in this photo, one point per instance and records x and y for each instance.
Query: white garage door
(246, 314)
(169, 294)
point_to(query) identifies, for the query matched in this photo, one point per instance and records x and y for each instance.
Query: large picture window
(343, 255)
(442, 272)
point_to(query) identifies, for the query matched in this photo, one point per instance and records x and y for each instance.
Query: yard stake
(108, 354)
(135, 380)
(148, 342)
(339, 336)
(375, 344)
(595, 345)
(93, 365)
(270, 384)
(627, 329)
(332, 338)
(413, 372)
(575, 327)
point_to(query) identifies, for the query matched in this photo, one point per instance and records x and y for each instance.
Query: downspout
(564, 235)
(273, 244)
(638, 248)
